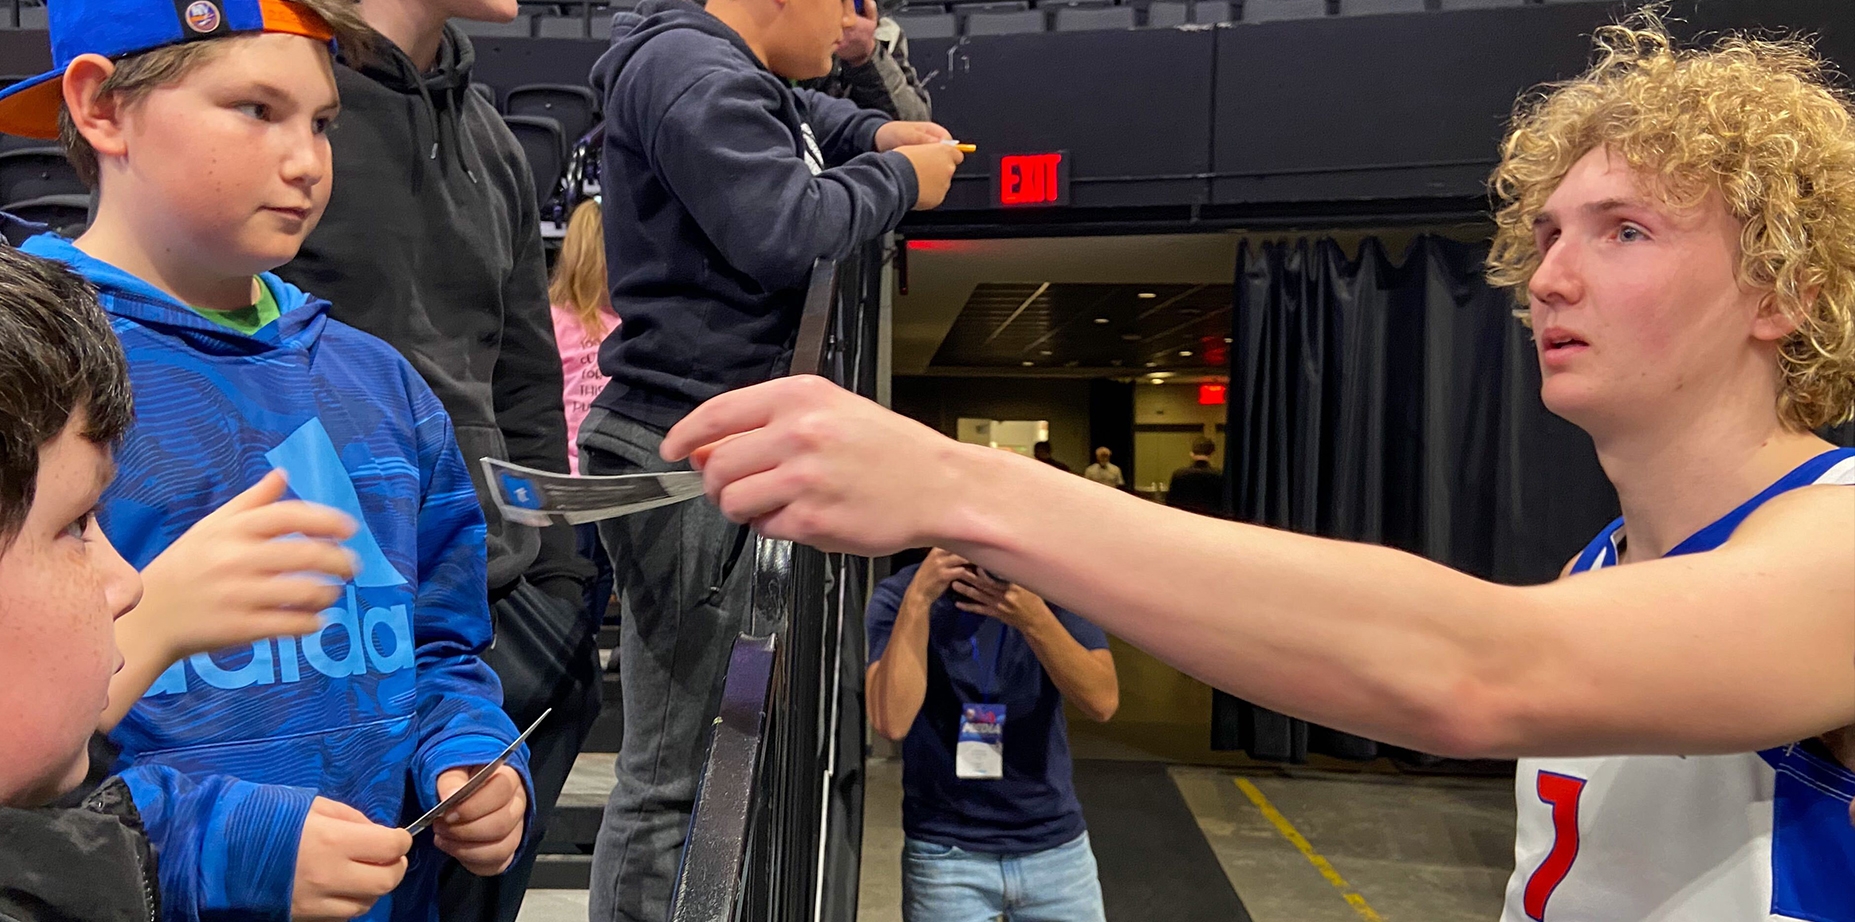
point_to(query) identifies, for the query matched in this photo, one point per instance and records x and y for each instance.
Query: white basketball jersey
(1754, 837)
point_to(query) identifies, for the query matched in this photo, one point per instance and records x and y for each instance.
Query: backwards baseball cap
(115, 28)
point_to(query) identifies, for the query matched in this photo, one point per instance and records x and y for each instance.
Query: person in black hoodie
(432, 242)
(722, 186)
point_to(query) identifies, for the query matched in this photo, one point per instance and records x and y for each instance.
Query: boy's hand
(896, 135)
(858, 44)
(228, 581)
(934, 165)
(344, 862)
(484, 831)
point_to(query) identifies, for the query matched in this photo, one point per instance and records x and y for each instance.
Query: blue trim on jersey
(1812, 844)
(1603, 551)
(1806, 474)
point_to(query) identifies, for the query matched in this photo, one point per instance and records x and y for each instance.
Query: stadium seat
(1014, 23)
(522, 26)
(1092, 19)
(569, 26)
(35, 172)
(574, 107)
(67, 214)
(1281, 10)
(30, 17)
(1212, 12)
(1371, 7)
(545, 146)
(1167, 14)
(929, 25)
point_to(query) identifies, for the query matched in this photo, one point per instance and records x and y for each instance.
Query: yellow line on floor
(1300, 842)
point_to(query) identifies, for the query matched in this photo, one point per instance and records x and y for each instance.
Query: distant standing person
(1041, 451)
(583, 318)
(1104, 471)
(1198, 487)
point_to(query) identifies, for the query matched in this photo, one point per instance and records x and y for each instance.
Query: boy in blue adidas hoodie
(204, 126)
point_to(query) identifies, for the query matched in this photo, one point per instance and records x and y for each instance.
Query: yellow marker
(962, 148)
(1301, 844)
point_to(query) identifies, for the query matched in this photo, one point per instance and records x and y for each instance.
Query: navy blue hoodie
(722, 185)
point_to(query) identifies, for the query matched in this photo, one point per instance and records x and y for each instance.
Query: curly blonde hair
(1760, 121)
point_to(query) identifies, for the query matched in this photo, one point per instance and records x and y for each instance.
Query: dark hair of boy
(58, 357)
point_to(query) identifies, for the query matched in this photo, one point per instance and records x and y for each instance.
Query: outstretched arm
(1745, 647)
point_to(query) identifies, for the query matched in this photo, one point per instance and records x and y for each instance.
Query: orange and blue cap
(116, 28)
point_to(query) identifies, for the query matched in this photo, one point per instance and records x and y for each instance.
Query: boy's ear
(94, 113)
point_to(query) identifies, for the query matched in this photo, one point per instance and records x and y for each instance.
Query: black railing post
(780, 811)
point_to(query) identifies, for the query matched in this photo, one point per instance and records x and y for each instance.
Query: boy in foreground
(204, 129)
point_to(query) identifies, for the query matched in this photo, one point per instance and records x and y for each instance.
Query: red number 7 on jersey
(1561, 792)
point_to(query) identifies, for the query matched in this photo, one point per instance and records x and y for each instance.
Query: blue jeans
(941, 883)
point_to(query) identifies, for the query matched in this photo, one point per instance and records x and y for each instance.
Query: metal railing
(775, 836)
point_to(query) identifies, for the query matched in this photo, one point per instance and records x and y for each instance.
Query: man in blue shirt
(970, 673)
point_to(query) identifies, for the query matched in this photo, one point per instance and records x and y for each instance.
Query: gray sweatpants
(683, 573)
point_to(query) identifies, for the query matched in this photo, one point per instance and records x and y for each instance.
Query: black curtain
(1395, 403)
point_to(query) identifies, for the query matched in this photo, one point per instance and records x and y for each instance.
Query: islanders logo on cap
(203, 16)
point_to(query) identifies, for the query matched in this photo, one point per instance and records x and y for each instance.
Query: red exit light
(1212, 395)
(1033, 179)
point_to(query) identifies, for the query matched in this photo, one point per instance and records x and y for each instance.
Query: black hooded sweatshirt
(432, 242)
(722, 186)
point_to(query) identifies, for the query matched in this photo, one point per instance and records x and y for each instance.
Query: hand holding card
(484, 830)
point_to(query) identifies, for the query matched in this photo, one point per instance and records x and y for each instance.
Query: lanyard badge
(979, 753)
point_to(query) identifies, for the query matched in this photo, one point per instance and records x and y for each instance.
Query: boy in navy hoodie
(204, 127)
(723, 186)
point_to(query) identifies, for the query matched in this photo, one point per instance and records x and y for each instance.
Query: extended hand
(804, 459)
(484, 831)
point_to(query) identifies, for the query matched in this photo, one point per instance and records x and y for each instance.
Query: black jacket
(722, 186)
(1198, 488)
(86, 861)
(886, 82)
(432, 242)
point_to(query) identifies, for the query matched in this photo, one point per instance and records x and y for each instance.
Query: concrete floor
(1413, 849)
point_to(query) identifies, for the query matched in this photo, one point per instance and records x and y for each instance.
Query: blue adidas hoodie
(227, 750)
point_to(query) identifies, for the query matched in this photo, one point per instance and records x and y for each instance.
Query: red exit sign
(1033, 179)
(1212, 395)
